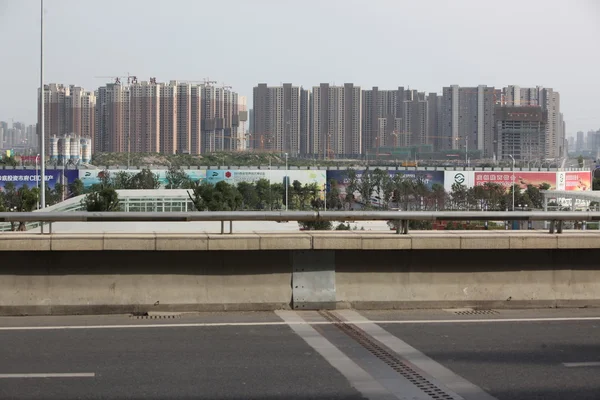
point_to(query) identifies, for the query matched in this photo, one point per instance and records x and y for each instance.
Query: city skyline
(323, 121)
(463, 44)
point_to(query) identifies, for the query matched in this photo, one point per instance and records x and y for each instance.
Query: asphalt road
(301, 355)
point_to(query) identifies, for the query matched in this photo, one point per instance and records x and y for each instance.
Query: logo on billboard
(459, 178)
(215, 174)
(228, 174)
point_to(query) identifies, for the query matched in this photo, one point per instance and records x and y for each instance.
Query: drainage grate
(475, 312)
(388, 357)
(159, 316)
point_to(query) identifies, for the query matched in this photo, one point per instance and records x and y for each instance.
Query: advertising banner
(31, 177)
(575, 181)
(341, 178)
(90, 177)
(522, 178)
(465, 178)
(274, 176)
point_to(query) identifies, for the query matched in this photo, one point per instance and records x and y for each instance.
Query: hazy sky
(424, 44)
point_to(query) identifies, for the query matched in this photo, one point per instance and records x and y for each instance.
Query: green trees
(220, 197)
(22, 199)
(76, 187)
(177, 179)
(104, 199)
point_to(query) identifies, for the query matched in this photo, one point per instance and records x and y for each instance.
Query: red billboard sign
(522, 178)
(576, 181)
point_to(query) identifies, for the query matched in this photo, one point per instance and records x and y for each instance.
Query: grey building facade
(521, 132)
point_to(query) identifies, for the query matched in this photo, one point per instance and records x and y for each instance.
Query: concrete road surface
(346, 355)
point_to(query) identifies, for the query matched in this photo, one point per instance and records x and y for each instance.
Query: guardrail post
(230, 227)
(50, 228)
(42, 227)
(405, 227)
(398, 227)
(560, 226)
(552, 225)
(222, 227)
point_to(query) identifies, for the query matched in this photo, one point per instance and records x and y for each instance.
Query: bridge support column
(313, 280)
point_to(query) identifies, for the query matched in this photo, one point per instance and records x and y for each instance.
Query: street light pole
(513, 181)
(37, 176)
(287, 183)
(42, 106)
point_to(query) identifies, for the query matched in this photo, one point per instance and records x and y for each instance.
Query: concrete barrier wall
(478, 278)
(129, 281)
(415, 271)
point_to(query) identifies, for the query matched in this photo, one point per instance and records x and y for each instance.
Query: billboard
(341, 177)
(274, 176)
(466, 178)
(90, 177)
(521, 178)
(31, 177)
(575, 180)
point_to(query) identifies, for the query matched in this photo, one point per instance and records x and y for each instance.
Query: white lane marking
(50, 375)
(279, 323)
(358, 377)
(452, 381)
(582, 364)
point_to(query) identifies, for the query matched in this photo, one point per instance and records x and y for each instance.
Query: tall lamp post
(513, 181)
(37, 175)
(42, 106)
(287, 183)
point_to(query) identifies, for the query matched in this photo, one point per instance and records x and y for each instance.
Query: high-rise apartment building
(112, 119)
(196, 119)
(382, 115)
(336, 121)
(579, 143)
(399, 118)
(415, 118)
(434, 105)
(145, 117)
(209, 120)
(520, 132)
(280, 118)
(168, 118)
(467, 118)
(549, 100)
(239, 140)
(183, 116)
(67, 110)
(80, 111)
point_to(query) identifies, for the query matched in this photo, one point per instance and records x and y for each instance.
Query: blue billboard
(90, 177)
(341, 178)
(30, 178)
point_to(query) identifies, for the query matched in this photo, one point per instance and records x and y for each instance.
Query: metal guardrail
(402, 217)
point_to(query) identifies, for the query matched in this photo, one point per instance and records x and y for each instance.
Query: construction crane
(261, 138)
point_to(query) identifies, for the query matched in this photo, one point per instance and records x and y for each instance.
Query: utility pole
(42, 119)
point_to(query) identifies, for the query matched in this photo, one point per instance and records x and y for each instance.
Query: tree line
(376, 189)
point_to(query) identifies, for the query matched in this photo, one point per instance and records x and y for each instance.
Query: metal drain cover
(145, 315)
(470, 311)
(389, 357)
